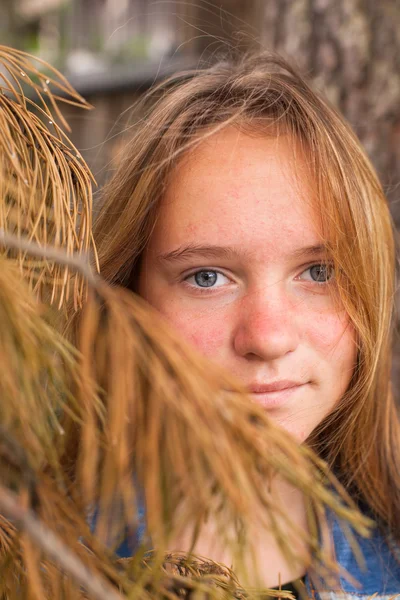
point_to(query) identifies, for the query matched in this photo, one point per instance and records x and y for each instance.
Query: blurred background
(113, 50)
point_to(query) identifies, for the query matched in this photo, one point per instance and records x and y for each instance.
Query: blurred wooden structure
(101, 134)
(350, 49)
(111, 51)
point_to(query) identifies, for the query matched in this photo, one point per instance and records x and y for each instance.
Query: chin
(299, 432)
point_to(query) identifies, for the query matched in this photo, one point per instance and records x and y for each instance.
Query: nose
(267, 325)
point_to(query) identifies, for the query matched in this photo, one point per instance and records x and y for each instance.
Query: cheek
(210, 341)
(333, 337)
(210, 336)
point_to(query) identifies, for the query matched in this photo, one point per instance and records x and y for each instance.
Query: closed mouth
(275, 386)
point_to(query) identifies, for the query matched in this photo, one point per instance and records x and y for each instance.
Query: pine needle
(45, 186)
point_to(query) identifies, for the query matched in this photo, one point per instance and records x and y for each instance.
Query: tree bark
(351, 49)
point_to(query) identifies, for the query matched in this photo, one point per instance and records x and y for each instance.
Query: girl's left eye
(207, 279)
(318, 273)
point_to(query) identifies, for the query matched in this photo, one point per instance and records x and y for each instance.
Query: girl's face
(236, 265)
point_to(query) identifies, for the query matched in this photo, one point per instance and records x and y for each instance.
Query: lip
(276, 394)
(275, 386)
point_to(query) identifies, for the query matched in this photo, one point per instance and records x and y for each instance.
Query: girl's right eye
(206, 278)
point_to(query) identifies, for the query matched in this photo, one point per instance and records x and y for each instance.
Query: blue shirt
(381, 575)
(380, 578)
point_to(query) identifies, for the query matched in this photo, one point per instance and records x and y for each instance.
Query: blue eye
(205, 278)
(321, 273)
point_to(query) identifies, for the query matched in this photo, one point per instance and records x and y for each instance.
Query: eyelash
(209, 289)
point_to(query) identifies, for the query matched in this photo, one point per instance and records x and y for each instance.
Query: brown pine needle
(45, 186)
(54, 548)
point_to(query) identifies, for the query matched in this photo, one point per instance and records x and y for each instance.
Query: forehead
(238, 189)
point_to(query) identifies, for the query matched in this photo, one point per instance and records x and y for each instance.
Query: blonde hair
(360, 439)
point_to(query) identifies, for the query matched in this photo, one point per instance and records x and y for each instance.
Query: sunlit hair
(360, 439)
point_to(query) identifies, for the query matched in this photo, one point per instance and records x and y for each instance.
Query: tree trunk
(351, 48)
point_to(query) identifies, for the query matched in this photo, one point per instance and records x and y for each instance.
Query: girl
(247, 213)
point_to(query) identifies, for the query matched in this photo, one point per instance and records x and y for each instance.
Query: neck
(269, 568)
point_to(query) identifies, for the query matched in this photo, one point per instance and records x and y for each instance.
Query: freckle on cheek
(207, 339)
(191, 229)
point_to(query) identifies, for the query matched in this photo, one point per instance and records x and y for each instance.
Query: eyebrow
(183, 253)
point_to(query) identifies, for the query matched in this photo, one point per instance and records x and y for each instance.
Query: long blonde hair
(360, 439)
